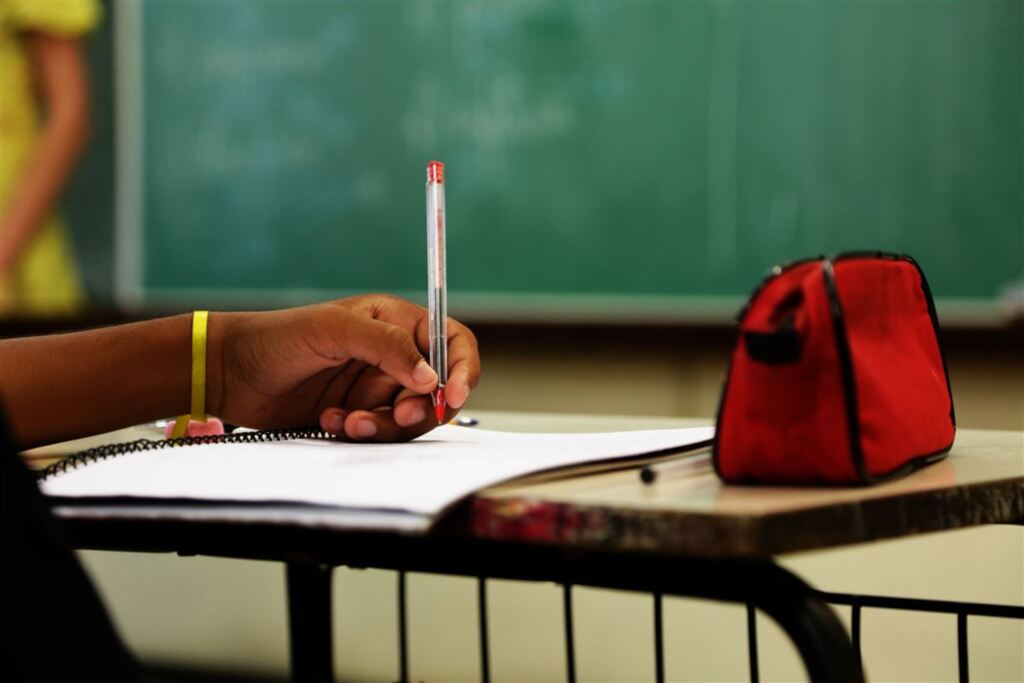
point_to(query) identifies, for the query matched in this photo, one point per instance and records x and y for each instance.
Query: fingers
(375, 390)
(463, 364)
(411, 416)
(332, 421)
(372, 389)
(403, 415)
(412, 410)
(463, 352)
(382, 425)
(463, 360)
(381, 344)
(383, 332)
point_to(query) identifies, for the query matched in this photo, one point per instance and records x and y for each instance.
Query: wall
(678, 371)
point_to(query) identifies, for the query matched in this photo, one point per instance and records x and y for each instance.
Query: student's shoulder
(60, 17)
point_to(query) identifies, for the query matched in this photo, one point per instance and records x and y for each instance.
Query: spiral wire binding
(110, 450)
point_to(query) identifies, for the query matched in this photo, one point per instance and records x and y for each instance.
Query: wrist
(217, 333)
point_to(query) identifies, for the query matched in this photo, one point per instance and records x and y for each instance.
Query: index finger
(463, 351)
(375, 342)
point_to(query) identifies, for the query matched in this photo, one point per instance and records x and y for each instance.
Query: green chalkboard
(602, 156)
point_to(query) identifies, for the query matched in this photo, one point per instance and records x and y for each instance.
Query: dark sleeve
(54, 626)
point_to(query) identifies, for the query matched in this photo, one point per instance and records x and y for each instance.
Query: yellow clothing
(45, 280)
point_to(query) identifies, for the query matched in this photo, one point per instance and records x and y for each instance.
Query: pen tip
(440, 404)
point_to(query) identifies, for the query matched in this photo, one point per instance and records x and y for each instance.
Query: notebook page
(422, 476)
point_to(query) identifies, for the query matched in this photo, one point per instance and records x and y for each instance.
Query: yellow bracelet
(198, 405)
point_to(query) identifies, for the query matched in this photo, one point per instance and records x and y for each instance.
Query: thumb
(385, 346)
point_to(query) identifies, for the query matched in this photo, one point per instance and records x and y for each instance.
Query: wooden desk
(686, 534)
(687, 510)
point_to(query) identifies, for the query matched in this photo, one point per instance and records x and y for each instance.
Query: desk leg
(309, 622)
(811, 625)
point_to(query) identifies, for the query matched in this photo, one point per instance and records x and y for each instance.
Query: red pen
(437, 305)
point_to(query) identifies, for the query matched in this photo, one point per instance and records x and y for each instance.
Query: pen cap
(435, 172)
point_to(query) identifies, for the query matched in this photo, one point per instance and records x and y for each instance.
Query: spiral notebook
(303, 477)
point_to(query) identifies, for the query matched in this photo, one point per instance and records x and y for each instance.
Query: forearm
(59, 69)
(345, 365)
(66, 386)
(40, 186)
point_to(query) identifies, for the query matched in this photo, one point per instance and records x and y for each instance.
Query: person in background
(44, 125)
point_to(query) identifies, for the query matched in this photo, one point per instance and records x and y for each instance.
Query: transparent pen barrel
(437, 304)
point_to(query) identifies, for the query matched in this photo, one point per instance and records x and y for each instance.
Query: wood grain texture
(687, 510)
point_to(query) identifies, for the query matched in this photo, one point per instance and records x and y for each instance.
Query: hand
(354, 366)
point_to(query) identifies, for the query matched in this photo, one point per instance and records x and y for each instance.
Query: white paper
(421, 477)
(291, 515)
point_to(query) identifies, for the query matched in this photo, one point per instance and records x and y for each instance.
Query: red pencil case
(837, 377)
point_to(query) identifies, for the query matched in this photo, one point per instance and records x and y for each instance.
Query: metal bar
(659, 642)
(485, 654)
(812, 627)
(816, 632)
(403, 632)
(309, 621)
(855, 635)
(570, 647)
(977, 609)
(755, 674)
(961, 647)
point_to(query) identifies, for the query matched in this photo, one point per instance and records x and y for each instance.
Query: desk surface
(687, 511)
